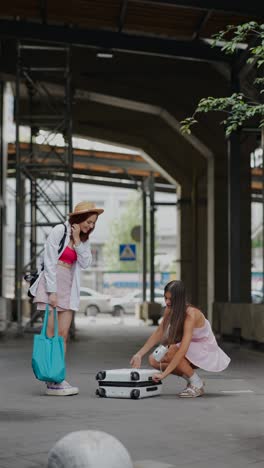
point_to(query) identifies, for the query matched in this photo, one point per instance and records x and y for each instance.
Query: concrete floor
(224, 428)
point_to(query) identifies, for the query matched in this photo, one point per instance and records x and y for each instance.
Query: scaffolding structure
(49, 200)
(45, 172)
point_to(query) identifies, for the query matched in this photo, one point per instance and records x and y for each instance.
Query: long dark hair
(80, 218)
(174, 323)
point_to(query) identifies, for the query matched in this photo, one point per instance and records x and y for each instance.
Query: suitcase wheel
(135, 394)
(100, 392)
(134, 375)
(101, 375)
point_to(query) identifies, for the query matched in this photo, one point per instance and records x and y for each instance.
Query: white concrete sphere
(89, 449)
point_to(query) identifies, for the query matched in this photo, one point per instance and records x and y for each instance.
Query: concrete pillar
(239, 221)
(195, 237)
(210, 237)
(3, 169)
(240, 263)
(202, 247)
(152, 238)
(193, 209)
(185, 208)
(248, 144)
(178, 236)
(144, 243)
(239, 209)
(220, 229)
(234, 218)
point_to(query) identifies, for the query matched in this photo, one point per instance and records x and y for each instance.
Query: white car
(256, 296)
(93, 302)
(126, 304)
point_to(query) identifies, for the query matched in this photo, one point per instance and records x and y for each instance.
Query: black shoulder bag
(32, 277)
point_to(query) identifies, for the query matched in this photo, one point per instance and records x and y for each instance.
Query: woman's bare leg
(183, 368)
(65, 319)
(64, 323)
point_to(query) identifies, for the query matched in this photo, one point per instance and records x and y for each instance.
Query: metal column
(210, 238)
(234, 218)
(152, 237)
(50, 201)
(19, 195)
(33, 193)
(234, 212)
(262, 147)
(68, 120)
(3, 166)
(144, 243)
(195, 239)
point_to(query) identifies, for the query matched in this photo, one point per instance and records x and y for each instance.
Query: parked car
(93, 302)
(256, 296)
(127, 303)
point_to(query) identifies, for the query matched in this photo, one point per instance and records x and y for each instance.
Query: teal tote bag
(48, 362)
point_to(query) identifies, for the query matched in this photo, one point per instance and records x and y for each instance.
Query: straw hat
(86, 207)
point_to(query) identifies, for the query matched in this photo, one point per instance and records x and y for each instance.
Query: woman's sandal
(191, 392)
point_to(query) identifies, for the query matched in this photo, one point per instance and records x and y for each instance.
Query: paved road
(225, 428)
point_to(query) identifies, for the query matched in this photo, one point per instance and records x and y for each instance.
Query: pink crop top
(68, 256)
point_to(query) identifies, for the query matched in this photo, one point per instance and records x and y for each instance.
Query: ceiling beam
(50, 158)
(242, 7)
(91, 181)
(96, 179)
(121, 183)
(49, 172)
(117, 176)
(114, 41)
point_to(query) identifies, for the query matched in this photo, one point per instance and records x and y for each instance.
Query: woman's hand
(157, 377)
(136, 361)
(75, 229)
(53, 299)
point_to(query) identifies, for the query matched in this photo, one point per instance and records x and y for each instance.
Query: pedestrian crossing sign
(127, 252)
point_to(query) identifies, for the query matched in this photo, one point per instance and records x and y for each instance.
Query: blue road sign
(127, 252)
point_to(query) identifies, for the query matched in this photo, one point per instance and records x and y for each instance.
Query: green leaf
(260, 62)
(237, 107)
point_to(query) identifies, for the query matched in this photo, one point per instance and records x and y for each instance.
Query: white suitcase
(127, 383)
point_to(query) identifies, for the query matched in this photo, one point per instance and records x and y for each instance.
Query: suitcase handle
(151, 389)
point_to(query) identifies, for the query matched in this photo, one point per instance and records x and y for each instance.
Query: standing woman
(59, 282)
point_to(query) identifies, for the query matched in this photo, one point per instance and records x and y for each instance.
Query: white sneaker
(61, 389)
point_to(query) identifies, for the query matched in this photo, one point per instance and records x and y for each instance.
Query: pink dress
(64, 283)
(204, 351)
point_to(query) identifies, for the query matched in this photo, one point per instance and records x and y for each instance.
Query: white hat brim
(91, 210)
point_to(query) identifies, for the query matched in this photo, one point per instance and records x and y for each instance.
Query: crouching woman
(188, 343)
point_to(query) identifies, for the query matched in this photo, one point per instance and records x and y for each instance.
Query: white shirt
(51, 256)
